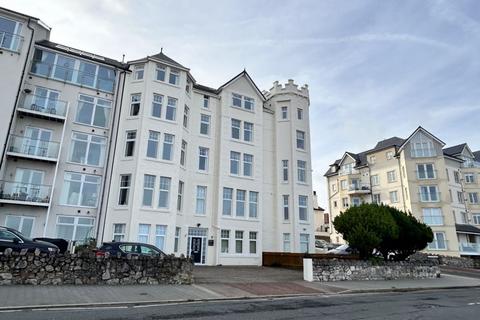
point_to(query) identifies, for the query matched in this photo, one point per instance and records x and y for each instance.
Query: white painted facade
(223, 236)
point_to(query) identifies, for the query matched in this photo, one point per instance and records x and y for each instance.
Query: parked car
(62, 244)
(124, 248)
(322, 244)
(344, 249)
(11, 238)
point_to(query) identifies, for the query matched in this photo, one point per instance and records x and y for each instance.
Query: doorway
(197, 245)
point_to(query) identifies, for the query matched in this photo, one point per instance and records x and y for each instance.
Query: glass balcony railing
(33, 147)
(429, 196)
(47, 106)
(470, 248)
(68, 74)
(438, 245)
(28, 192)
(344, 172)
(471, 164)
(359, 187)
(10, 41)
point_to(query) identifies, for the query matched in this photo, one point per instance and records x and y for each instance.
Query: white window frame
(252, 237)
(89, 141)
(105, 104)
(145, 234)
(427, 196)
(227, 201)
(125, 183)
(235, 159)
(300, 136)
(303, 207)
(135, 102)
(285, 170)
(432, 216)
(139, 71)
(119, 234)
(253, 204)
(83, 182)
(201, 200)
(130, 140)
(391, 176)
(160, 236)
(203, 153)
(76, 224)
(224, 239)
(165, 184)
(168, 143)
(205, 124)
(149, 181)
(287, 242)
(153, 142)
(239, 235)
(183, 153)
(247, 165)
(302, 171)
(393, 196)
(240, 203)
(20, 224)
(425, 171)
(171, 108)
(181, 187)
(157, 103)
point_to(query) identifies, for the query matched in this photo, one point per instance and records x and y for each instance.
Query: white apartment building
(418, 174)
(142, 152)
(219, 174)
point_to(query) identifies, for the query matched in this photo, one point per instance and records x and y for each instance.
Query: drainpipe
(12, 116)
(401, 182)
(109, 155)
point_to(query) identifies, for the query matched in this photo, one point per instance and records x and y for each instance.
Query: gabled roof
(420, 129)
(163, 57)
(454, 150)
(82, 54)
(387, 143)
(245, 74)
(476, 154)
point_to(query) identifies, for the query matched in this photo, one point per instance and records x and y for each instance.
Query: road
(441, 304)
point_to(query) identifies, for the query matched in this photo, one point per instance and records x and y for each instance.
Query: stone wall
(457, 262)
(339, 270)
(43, 269)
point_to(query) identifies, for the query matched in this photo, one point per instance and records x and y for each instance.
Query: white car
(343, 249)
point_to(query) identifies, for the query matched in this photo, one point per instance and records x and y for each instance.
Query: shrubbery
(391, 232)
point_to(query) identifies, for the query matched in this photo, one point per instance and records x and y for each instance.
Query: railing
(343, 172)
(33, 147)
(429, 196)
(426, 175)
(324, 228)
(423, 153)
(28, 192)
(67, 74)
(359, 186)
(471, 164)
(470, 247)
(44, 105)
(10, 41)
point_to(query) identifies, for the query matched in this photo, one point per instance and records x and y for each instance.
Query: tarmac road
(435, 304)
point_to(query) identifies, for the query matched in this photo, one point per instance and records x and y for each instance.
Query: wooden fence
(295, 260)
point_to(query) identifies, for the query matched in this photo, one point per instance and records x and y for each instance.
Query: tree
(370, 227)
(365, 226)
(413, 236)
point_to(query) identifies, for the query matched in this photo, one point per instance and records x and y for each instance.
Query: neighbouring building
(322, 221)
(60, 114)
(418, 174)
(140, 151)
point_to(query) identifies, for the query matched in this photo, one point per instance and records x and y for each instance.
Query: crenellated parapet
(289, 88)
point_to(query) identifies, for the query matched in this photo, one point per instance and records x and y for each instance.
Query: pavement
(212, 284)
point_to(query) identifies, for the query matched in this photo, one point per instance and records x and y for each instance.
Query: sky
(375, 69)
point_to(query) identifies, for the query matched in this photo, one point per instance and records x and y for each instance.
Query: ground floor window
(253, 242)
(439, 241)
(160, 233)
(119, 231)
(225, 239)
(286, 242)
(177, 239)
(304, 242)
(75, 228)
(143, 233)
(238, 241)
(21, 223)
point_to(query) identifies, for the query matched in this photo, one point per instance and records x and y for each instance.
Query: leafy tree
(365, 226)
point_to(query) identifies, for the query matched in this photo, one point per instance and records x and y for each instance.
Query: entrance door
(196, 249)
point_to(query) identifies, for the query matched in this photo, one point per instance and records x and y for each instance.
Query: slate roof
(82, 54)
(163, 57)
(387, 143)
(476, 154)
(205, 88)
(451, 151)
(467, 228)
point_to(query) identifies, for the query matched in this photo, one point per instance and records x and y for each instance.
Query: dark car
(124, 248)
(11, 238)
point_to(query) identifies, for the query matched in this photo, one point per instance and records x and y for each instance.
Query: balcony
(325, 228)
(78, 77)
(24, 193)
(25, 147)
(345, 172)
(469, 248)
(10, 41)
(43, 107)
(429, 196)
(426, 175)
(471, 164)
(359, 188)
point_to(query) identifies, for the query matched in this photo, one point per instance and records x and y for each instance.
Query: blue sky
(375, 69)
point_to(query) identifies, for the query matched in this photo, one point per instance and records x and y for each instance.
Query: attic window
(240, 101)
